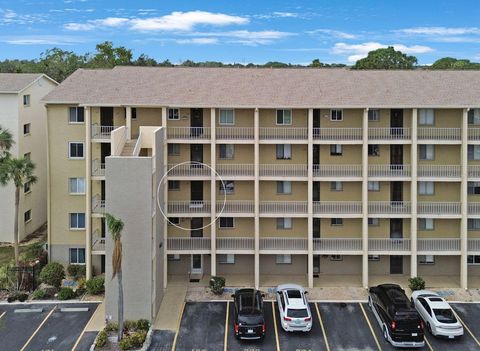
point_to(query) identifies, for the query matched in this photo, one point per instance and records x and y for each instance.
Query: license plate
(414, 334)
(297, 321)
(250, 331)
(451, 337)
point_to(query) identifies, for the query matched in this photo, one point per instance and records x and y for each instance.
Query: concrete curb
(39, 302)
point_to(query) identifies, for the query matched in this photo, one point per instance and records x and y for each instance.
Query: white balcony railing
(234, 133)
(474, 245)
(188, 133)
(238, 243)
(450, 244)
(98, 242)
(350, 134)
(188, 170)
(393, 133)
(283, 133)
(474, 171)
(389, 207)
(473, 133)
(438, 208)
(320, 170)
(337, 244)
(102, 132)
(283, 170)
(98, 168)
(438, 133)
(98, 205)
(474, 208)
(235, 170)
(188, 207)
(389, 171)
(444, 171)
(237, 206)
(282, 207)
(188, 244)
(337, 207)
(289, 244)
(388, 244)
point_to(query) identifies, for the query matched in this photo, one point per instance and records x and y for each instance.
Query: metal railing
(238, 243)
(98, 205)
(288, 244)
(283, 133)
(394, 133)
(282, 207)
(449, 244)
(337, 133)
(98, 242)
(188, 133)
(320, 170)
(473, 208)
(441, 208)
(283, 170)
(473, 245)
(188, 244)
(101, 132)
(473, 133)
(188, 170)
(188, 207)
(389, 244)
(474, 171)
(233, 170)
(234, 133)
(98, 168)
(444, 171)
(337, 244)
(389, 207)
(337, 207)
(235, 206)
(438, 133)
(389, 171)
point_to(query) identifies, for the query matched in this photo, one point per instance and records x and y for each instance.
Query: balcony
(189, 244)
(388, 245)
(101, 132)
(439, 208)
(188, 133)
(439, 171)
(236, 244)
(237, 207)
(235, 170)
(98, 242)
(389, 171)
(338, 134)
(189, 208)
(98, 168)
(234, 133)
(336, 208)
(98, 205)
(438, 245)
(282, 171)
(436, 134)
(474, 209)
(388, 134)
(283, 207)
(473, 133)
(474, 171)
(297, 245)
(474, 245)
(333, 246)
(389, 208)
(337, 171)
(283, 133)
(188, 170)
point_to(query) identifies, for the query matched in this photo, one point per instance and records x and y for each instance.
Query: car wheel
(385, 333)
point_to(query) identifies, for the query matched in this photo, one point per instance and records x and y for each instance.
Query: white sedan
(437, 314)
(295, 314)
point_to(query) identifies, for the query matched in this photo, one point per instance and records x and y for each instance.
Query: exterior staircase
(129, 147)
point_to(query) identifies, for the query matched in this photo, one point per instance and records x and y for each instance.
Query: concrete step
(128, 148)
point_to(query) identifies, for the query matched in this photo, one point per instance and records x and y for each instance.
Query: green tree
(59, 64)
(108, 56)
(316, 64)
(115, 227)
(386, 58)
(144, 60)
(276, 64)
(6, 143)
(453, 63)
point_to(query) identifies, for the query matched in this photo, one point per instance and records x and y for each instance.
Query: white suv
(293, 307)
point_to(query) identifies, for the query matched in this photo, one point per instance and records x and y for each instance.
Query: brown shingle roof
(265, 87)
(15, 82)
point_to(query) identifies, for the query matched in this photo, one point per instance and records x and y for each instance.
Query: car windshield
(249, 302)
(445, 315)
(294, 294)
(297, 313)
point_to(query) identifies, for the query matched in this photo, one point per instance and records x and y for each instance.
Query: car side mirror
(306, 292)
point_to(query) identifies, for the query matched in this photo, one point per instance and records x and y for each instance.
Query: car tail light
(393, 325)
(263, 328)
(288, 319)
(236, 328)
(308, 319)
(421, 325)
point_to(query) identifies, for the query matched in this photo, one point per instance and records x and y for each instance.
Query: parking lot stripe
(275, 325)
(83, 331)
(466, 327)
(226, 328)
(322, 327)
(428, 342)
(39, 327)
(174, 345)
(1, 315)
(370, 326)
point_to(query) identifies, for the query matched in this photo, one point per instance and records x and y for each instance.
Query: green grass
(7, 254)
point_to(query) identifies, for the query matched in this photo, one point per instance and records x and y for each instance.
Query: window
(27, 216)
(27, 187)
(26, 129)
(75, 150)
(76, 115)
(336, 150)
(373, 150)
(336, 258)
(336, 115)
(426, 116)
(474, 116)
(426, 188)
(425, 224)
(26, 100)
(173, 220)
(373, 186)
(284, 187)
(27, 156)
(284, 223)
(374, 257)
(77, 220)
(473, 259)
(373, 115)
(226, 259)
(77, 256)
(174, 185)
(427, 152)
(426, 259)
(284, 152)
(227, 117)
(173, 149)
(474, 152)
(283, 259)
(174, 257)
(336, 221)
(227, 151)
(336, 186)
(134, 113)
(374, 221)
(227, 187)
(76, 185)
(474, 188)
(174, 114)
(284, 117)
(227, 222)
(473, 224)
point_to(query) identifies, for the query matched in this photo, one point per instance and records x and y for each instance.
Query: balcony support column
(310, 199)
(256, 190)
(464, 202)
(213, 195)
(88, 192)
(413, 195)
(165, 198)
(365, 199)
(128, 118)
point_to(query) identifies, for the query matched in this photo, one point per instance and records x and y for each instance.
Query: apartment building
(25, 117)
(318, 176)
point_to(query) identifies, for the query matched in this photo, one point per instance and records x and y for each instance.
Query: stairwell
(129, 147)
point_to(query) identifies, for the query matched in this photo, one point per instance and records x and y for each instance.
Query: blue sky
(244, 31)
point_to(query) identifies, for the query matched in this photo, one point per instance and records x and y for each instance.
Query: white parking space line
(1, 315)
(370, 326)
(428, 342)
(322, 327)
(174, 344)
(83, 331)
(225, 341)
(39, 327)
(275, 325)
(466, 327)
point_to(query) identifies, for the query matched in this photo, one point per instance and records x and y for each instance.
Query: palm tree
(6, 142)
(20, 171)
(115, 227)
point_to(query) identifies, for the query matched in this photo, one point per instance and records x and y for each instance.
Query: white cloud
(198, 41)
(8, 17)
(439, 31)
(359, 51)
(332, 33)
(246, 37)
(41, 40)
(277, 14)
(111, 22)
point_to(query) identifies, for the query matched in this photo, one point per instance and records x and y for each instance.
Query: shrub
(96, 285)
(76, 271)
(39, 294)
(5, 282)
(111, 326)
(32, 253)
(101, 339)
(134, 340)
(125, 344)
(20, 296)
(52, 274)
(416, 283)
(129, 325)
(217, 284)
(143, 324)
(66, 294)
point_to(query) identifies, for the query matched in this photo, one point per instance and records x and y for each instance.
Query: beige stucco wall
(269, 266)
(268, 192)
(268, 154)
(444, 265)
(382, 267)
(351, 228)
(348, 265)
(268, 228)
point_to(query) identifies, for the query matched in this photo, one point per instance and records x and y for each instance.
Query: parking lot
(336, 326)
(45, 326)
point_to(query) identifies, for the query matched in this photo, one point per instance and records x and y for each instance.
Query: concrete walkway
(97, 322)
(171, 307)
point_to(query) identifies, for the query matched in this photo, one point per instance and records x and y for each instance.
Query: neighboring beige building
(24, 115)
(331, 176)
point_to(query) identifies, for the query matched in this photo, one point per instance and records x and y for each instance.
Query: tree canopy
(453, 63)
(386, 58)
